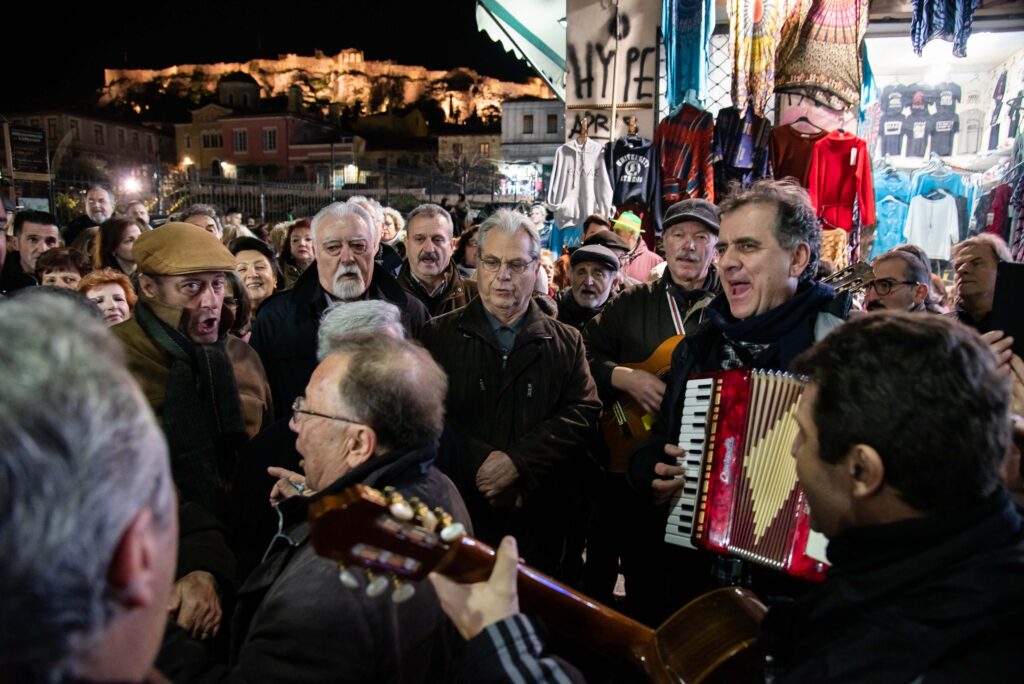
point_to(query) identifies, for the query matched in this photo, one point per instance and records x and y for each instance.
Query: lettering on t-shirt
(919, 129)
(632, 168)
(943, 126)
(893, 128)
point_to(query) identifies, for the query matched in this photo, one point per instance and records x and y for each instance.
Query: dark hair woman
(113, 246)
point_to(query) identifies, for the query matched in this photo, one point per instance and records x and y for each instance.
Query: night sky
(56, 57)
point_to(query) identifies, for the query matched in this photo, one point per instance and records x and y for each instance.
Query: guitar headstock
(395, 540)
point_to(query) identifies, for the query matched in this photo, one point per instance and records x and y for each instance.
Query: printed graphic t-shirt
(892, 128)
(946, 97)
(942, 127)
(917, 127)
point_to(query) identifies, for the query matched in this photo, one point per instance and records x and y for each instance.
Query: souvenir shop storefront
(902, 119)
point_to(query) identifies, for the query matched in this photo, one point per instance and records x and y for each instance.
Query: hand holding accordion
(741, 495)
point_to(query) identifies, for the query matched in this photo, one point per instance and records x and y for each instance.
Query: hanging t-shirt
(918, 95)
(932, 225)
(791, 152)
(892, 129)
(938, 180)
(893, 99)
(917, 133)
(974, 92)
(893, 183)
(946, 97)
(891, 218)
(943, 127)
(972, 122)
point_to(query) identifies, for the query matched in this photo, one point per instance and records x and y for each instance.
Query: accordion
(741, 495)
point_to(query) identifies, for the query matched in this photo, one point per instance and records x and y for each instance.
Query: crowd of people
(177, 396)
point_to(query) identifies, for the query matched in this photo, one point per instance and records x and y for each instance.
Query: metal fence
(274, 201)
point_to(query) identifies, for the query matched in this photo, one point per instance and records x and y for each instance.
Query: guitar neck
(564, 610)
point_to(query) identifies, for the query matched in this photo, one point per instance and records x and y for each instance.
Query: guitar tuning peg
(428, 519)
(347, 578)
(403, 592)
(377, 585)
(453, 532)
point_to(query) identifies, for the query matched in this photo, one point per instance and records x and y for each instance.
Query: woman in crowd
(62, 267)
(394, 230)
(297, 253)
(113, 247)
(112, 292)
(86, 241)
(256, 265)
(237, 301)
(466, 254)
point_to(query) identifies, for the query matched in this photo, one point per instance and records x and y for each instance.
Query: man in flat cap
(593, 279)
(207, 389)
(628, 331)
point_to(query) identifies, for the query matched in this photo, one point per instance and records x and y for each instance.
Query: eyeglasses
(298, 408)
(886, 285)
(515, 267)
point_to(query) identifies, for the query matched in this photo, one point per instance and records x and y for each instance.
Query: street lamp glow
(131, 184)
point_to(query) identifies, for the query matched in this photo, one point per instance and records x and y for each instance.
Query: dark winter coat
(285, 331)
(458, 291)
(539, 405)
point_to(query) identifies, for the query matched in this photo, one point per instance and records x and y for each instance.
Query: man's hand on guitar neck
(663, 489)
(647, 389)
(474, 607)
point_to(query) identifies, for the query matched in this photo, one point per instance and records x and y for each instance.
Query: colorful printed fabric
(684, 147)
(754, 33)
(689, 24)
(825, 61)
(949, 20)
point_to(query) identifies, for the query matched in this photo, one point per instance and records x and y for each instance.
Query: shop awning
(533, 32)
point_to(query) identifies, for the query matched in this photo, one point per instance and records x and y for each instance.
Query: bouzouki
(397, 542)
(624, 423)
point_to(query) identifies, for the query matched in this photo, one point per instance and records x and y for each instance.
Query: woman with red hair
(112, 292)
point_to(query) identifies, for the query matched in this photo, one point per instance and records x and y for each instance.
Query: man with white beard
(99, 206)
(345, 240)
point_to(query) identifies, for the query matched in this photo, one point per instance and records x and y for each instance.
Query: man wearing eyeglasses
(901, 283)
(345, 240)
(521, 402)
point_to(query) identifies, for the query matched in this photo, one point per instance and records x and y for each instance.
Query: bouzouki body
(624, 423)
(711, 639)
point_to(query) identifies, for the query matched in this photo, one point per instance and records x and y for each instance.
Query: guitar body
(624, 423)
(712, 639)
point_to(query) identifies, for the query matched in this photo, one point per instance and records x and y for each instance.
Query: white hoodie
(579, 183)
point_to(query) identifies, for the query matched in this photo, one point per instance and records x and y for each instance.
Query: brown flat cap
(180, 249)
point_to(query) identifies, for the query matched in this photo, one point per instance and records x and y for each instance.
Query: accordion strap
(677, 316)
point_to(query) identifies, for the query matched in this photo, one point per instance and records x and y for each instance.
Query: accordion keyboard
(692, 437)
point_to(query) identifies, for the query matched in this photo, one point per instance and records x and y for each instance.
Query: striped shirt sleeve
(511, 651)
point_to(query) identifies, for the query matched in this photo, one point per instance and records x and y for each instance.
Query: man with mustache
(345, 240)
(770, 311)
(630, 328)
(901, 282)
(593, 279)
(429, 273)
(521, 402)
(208, 391)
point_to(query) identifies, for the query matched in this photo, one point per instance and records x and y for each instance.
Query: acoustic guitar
(624, 423)
(709, 640)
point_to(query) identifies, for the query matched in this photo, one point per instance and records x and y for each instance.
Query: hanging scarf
(201, 392)
(788, 329)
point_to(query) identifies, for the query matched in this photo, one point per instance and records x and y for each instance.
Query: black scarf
(687, 298)
(201, 392)
(788, 329)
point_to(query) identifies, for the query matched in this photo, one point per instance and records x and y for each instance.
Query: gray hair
(202, 210)
(796, 219)
(396, 388)
(337, 210)
(371, 205)
(82, 456)
(343, 320)
(430, 210)
(998, 246)
(510, 222)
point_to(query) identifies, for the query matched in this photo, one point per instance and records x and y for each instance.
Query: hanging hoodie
(632, 163)
(579, 183)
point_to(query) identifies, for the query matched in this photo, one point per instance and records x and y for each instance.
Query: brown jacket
(150, 366)
(538, 404)
(458, 291)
